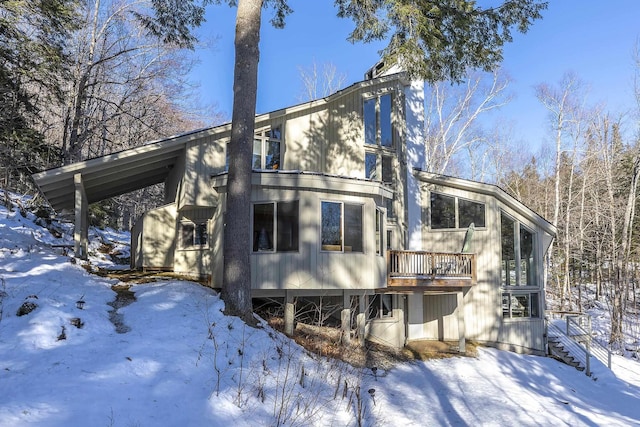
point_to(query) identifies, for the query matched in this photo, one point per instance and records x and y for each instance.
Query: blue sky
(592, 38)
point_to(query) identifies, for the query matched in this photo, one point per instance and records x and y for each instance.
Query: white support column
(345, 319)
(415, 155)
(81, 227)
(415, 316)
(289, 314)
(460, 316)
(361, 319)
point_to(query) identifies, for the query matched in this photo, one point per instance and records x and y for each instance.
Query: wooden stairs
(559, 350)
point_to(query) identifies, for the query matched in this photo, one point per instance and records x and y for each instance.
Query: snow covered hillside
(177, 360)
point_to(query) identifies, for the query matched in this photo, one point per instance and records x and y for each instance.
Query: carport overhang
(75, 186)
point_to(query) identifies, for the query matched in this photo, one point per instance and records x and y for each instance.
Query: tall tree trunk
(236, 285)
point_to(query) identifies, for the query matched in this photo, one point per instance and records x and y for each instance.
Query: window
(193, 235)
(470, 213)
(371, 166)
(454, 212)
(379, 228)
(279, 220)
(266, 149)
(518, 253)
(443, 211)
(378, 166)
(380, 306)
(377, 121)
(341, 227)
(515, 305)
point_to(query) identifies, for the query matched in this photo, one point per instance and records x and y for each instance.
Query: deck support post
(289, 313)
(345, 319)
(81, 226)
(361, 319)
(460, 316)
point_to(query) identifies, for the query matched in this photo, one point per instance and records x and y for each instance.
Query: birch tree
(452, 113)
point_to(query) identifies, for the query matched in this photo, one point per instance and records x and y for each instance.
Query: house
(341, 208)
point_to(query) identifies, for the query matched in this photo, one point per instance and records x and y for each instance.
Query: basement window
(381, 306)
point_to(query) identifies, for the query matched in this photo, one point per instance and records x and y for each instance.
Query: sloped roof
(113, 174)
(139, 167)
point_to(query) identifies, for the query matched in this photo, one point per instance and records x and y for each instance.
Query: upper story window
(453, 212)
(377, 121)
(341, 227)
(193, 235)
(266, 148)
(379, 167)
(275, 227)
(518, 253)
(379, 232)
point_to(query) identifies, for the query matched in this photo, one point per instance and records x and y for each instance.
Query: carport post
(81, 229)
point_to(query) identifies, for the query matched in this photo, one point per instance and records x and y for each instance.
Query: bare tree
(452, 113)
(318, 83)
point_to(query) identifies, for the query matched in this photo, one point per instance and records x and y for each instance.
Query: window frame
(532, 310)
(199, 229)
(532, 280)
(456, 212)
(381, 123)
(377, 310)
(264, 137)
(331, 248)
(275, 237)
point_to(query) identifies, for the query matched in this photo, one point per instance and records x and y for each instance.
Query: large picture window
(341, 227)
(454, 212)
(377, 121)
(518, 253)
(275, 227)
(266, 149)
(193, 235)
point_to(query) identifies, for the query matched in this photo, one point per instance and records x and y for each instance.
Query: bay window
(341, 227)
(275, 227)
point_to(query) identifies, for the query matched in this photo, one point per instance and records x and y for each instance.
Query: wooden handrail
(430, 264)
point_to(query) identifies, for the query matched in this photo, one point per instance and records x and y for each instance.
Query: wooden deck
(418, 270)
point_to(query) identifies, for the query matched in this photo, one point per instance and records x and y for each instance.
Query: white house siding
(155, 237)
(483, 302)
(194, 261)
(389, 331)
(203, 157)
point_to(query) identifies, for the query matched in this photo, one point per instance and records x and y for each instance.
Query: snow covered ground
(182, 362)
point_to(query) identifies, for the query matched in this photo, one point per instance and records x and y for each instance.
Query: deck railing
(431, 265)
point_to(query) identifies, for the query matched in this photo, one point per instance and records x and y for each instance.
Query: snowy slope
(183, 362)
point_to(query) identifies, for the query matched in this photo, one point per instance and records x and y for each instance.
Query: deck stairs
(569, 340)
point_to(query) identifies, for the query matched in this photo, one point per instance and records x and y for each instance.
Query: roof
(113, 174)
(139, 167)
